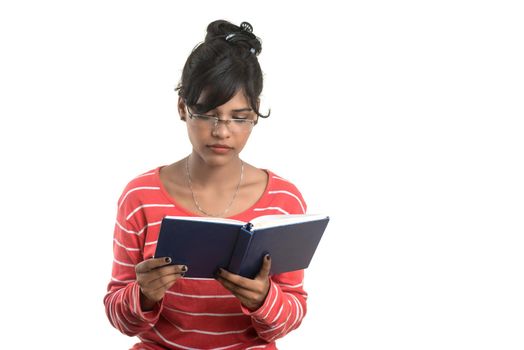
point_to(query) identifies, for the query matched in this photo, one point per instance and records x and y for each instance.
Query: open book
(205, 244)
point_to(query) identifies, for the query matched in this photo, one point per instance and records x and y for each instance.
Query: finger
(238, 291)
(265, 269)
(238, 280)
(157, 289)
(249, 299)
(160, 272)
(150, 264)
(163, 282)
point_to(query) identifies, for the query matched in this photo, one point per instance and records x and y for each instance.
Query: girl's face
(216, 143)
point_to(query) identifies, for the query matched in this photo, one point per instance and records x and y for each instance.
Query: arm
(122, 301)
(284, 306)
(276, 305)
(133, 302)
(283, 309)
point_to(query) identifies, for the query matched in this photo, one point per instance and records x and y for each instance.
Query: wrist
(146, 304)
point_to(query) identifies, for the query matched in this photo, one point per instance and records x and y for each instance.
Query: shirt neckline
(238, 216)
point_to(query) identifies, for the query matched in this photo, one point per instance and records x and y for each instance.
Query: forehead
(238, 101)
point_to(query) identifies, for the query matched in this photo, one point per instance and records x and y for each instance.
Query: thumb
(266, 268)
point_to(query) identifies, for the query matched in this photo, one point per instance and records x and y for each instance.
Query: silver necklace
(194, 197)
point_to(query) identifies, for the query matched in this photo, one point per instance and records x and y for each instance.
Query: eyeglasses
(235, 124)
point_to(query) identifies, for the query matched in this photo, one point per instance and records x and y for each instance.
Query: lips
(219, 146)
(220, 149)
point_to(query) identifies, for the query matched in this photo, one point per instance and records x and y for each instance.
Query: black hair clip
(246, 33)
(245, 26)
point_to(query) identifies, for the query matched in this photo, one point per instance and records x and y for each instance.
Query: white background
(402, 120)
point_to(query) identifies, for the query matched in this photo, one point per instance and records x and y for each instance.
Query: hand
(250, 292)
(155, 277)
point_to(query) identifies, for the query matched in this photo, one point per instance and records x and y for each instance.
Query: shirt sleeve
(122, 301)
(283, 309)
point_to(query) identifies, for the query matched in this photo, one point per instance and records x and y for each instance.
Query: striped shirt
(196, 313)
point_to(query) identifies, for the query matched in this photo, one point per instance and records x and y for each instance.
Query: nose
(221, 129)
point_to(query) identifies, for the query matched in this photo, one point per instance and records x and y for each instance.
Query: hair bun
(241, 36)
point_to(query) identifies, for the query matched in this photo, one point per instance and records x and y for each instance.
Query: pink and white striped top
(196, 313)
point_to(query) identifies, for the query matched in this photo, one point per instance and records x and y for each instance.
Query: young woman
(149, 297)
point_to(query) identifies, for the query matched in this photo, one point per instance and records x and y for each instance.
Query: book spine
(241, 247)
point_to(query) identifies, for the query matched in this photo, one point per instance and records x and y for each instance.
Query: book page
(207, 219)
(282, 220)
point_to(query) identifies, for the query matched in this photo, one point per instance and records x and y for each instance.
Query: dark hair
(223, 64)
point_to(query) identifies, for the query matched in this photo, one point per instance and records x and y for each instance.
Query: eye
(241, 120)
(204, 116)
(242, 117)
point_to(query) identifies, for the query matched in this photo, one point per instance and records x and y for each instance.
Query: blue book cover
(206, 244)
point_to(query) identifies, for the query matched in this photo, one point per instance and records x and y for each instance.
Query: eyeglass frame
(206, 118)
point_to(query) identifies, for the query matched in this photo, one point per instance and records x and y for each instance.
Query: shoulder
(140, 184)
(282, 183)
(285, 190)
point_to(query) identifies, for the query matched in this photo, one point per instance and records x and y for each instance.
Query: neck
(217, 176)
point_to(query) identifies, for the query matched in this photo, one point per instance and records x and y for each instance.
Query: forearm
(125, 313)
(282, 311)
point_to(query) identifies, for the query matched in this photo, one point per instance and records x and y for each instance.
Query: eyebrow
(242, 110)
(238, 110)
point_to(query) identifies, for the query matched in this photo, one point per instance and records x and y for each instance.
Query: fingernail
(184, 268)
(268, 257)
(168, 260)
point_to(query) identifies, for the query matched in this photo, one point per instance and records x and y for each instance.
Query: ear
(182, 109)
(258, 109)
